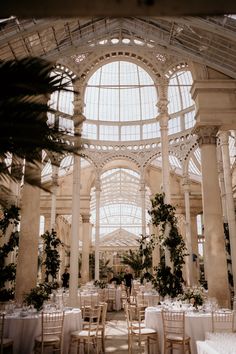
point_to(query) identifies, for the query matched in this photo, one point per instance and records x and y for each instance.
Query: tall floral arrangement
(168, 280)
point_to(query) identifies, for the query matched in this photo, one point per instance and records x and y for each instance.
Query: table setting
(23, 325)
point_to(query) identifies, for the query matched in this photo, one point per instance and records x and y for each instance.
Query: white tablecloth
(23, 330)
(150, 299)
(218, 343)
(196, 325)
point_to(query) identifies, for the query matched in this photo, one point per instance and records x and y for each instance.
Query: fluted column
(143, 205)
(230, 209)
(27, 261)
(54, 196)
(75, 222)
(85, 248)
(97, 230)
(189, 259)
(212, 212)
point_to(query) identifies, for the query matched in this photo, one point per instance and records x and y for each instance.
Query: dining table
(23, 327)
(197, 324)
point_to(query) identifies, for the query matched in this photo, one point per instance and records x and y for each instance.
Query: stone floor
(116, 333)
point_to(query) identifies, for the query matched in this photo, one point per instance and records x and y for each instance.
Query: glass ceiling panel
(121, 86)
(179, 91)
(120, 201)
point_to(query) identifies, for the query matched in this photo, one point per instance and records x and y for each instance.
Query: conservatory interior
(150, 189)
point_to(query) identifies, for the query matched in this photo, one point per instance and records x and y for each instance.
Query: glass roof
(121, 103)
(120, 202)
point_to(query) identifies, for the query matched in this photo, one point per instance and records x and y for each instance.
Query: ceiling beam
(72, 8)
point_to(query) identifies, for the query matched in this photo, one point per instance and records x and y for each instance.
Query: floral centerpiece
(37, 296)
(100, 284)
(194, 295)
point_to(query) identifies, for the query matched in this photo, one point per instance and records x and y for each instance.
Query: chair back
(133, 317)
(103, 306)
(174, 323)
(222, 321)
(52, 325)
(92, 317)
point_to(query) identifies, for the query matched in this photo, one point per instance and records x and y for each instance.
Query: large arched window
(120, 102)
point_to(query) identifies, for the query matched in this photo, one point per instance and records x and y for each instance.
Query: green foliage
(140, 260)
(163, 216)
(25, 132)
(104, 267)
(52, 259)
(42, 292)
(10, 217)
(37, 296)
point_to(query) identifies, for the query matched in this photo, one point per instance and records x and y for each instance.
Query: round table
(196, 325)
(23, 330)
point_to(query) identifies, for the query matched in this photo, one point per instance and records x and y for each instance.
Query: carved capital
(85, 218)
(206, 135)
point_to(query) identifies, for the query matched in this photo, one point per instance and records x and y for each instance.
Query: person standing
(128, 281)
(65, 279)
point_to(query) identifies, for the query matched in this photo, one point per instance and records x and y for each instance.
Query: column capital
(85, 218)
(206, 134)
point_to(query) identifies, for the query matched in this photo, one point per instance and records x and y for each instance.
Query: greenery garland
(10, 216)
(166, 281)
(41, 292)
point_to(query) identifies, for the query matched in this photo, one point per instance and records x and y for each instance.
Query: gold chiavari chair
(174, 332)
(89, 334)
(51, 334)
(222, 321)
(137, 330)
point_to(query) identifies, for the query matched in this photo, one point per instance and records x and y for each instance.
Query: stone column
(163, 119)
(97, 227)
(74, 244)
(222, 182)
(230, 209)
(27, 261)
(194, 237)
(85, 248)
(212, 211)
(54, 196)
(189, 258)
(143, 205)
(75, 223)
